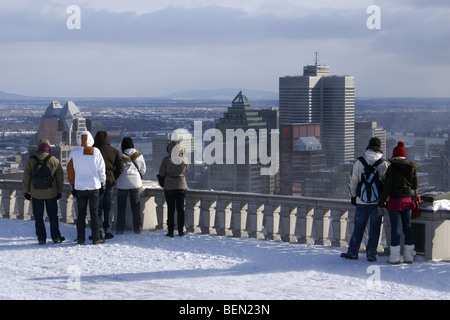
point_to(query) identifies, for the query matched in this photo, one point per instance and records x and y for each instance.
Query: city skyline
(142, 49)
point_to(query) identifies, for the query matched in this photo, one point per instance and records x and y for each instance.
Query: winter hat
(399, 150)
(44, 146)
(127, 143)
(375, 144)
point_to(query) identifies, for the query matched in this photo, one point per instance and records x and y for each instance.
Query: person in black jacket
(401, 178)
(114, 168)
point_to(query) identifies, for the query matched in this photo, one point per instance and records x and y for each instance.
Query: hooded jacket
(111, 156)
(174, 169)
(133, 166)
(85, 165)
(371, 157)
(57, 173)
(401, 178)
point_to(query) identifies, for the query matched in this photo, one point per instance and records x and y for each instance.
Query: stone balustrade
(305, 220)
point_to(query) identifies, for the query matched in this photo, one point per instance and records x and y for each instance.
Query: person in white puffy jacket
(130, 182)
(366, 211)
(86, 174)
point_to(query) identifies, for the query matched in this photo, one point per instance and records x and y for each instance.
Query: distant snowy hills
(223, 94)
(6, 95)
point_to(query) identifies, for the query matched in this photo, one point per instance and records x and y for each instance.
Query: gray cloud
(181, 26)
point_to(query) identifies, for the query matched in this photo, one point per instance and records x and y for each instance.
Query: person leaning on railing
(173, 169)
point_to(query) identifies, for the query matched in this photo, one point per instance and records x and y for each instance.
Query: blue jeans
(104, 209)
(405, 217)
(51, 205)
(363, 214)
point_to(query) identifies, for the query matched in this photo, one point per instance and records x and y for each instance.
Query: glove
(58, 196)
(353, 201)
(74, 191)
(102, 188)
(27, 196)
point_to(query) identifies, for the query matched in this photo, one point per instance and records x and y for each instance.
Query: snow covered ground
(201, 267)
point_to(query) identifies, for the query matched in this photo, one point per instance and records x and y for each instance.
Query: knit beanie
(375, 144)
(127, 143)
(399, 150)
(44, 146)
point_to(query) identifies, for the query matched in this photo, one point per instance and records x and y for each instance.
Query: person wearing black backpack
(365, 185)
(42, 185)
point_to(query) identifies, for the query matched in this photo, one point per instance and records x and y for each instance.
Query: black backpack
(370, 187)
(42, 173)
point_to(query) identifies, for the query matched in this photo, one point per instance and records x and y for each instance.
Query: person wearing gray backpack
(365, 185)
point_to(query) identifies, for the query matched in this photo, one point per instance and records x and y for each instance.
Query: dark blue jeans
(51, 205)
(135, 203)
(85, 198)
(405, 217)
(175, 200)
(363, 214)
(104, 209)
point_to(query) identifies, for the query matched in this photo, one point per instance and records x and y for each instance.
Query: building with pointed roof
(61, 125)
(232, 175)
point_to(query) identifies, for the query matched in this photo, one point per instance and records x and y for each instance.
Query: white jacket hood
(85, 139)
(372, 156)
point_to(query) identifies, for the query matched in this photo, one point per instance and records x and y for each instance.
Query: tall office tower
(61, 125)
(318, 97)
(363, 132)
(232, 174)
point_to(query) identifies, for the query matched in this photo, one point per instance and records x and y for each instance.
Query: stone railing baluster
(223, 211)
(339, 225)
(272, 222)
(240, 220)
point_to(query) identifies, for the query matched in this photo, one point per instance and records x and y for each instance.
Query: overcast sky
(148, 48)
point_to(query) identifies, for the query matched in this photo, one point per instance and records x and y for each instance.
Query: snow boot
(346, 255)
(395, 257)
(409, 253)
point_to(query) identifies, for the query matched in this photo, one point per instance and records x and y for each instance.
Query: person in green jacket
(44, 197)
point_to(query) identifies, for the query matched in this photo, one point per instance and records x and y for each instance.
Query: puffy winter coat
(401, 178)
(111, 156)
(85, 165)
(131, 175)
(355, 175)
(174, 173)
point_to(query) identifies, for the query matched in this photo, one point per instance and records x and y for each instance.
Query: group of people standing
(94, 168)
(397, 178)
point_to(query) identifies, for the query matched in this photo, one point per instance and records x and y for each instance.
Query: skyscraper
(61, 125)
(231, 175)
(318, 97)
